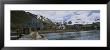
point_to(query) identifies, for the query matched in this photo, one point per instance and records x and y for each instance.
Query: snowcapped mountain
(77, 19)
(75, 16)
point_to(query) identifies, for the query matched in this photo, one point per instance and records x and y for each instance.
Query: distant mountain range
(77, 16)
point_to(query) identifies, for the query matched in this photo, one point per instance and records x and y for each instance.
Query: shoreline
(65, 31)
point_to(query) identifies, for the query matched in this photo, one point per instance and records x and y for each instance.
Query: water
(82, 35)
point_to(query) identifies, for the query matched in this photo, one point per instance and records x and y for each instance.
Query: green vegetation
(80, 27)
(24, 22)
(18, 18)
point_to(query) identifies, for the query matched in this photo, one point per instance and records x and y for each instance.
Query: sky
(65, 15)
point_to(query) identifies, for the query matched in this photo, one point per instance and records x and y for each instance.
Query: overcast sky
(66, 15)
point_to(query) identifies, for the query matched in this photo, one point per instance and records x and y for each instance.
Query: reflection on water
(82, 35)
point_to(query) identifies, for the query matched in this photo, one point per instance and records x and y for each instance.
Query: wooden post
(29, 29)
(17, 31)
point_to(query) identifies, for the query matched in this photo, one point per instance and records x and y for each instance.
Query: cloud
(94, 11)
(54, 15)
(94, 16)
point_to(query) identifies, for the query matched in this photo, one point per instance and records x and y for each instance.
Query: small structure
(61, 26)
